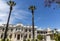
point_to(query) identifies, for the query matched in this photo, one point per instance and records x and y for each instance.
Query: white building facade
(20, 32)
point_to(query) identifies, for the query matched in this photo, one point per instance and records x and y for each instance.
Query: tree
(28, 39)
(6, 39)
(40, 37)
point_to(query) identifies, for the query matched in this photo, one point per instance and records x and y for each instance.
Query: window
(25, 36)
(21, 35)
(25, 30)
(10, 36)
(11, 29)
(3, 29)
(22, 28)
(41, 32)
(1, 35)
(29, 35)
(38, 32)
(18, 36)
(15, 35)
(29, 30)
(16, 29)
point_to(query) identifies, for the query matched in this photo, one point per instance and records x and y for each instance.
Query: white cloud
(3, 12)
(21, 14)
(39, 28)
(16, 14)
(3, 5)
(58, 30)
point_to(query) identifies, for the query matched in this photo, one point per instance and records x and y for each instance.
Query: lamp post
(32, 8)
(11, 4)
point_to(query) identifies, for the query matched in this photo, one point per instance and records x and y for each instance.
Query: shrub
(5, 40)
(28, 39)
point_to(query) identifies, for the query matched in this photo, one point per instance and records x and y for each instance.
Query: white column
(20, 36)
(0, 35)
(12, 36)
(48, 38)
(31, 34)
(28, 33)
(35, 34)
(8, 35)
(16, 36)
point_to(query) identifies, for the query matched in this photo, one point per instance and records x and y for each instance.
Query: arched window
(10, 36)
(25, 36)
(1, 35)
(25, 30)
(29, 35)
(29, 30)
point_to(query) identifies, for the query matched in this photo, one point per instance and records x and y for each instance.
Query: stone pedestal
(48, 38)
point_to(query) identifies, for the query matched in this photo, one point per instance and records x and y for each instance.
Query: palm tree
(11, 4)
(32, 8)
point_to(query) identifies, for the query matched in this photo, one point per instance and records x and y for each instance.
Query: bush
(36, 39)
(28, 39)
(5, 40)
(40, 37)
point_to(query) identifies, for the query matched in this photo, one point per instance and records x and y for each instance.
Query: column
(0, 36)
(27, 33)
(31, 34)
(20, 36)
(13, 36)
(16, 36)
(35, 34)
(48, 38)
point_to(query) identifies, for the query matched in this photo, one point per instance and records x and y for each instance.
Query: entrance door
(18, 37)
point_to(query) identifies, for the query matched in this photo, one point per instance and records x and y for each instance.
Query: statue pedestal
(48, 38)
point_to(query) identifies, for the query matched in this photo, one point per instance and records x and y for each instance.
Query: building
(19, 32)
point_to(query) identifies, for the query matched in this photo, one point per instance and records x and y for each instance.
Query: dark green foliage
(40, 37)
(36, 39)
(5, 40)
(28, 39)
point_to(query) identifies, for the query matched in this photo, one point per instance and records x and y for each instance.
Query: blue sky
(44, 16)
